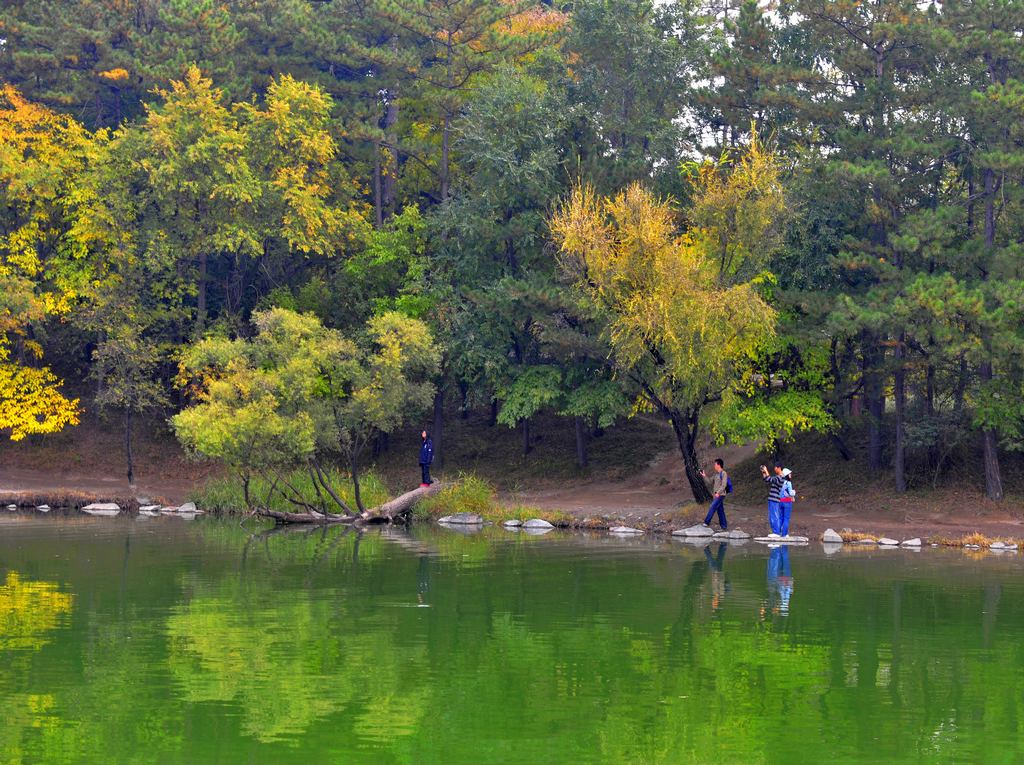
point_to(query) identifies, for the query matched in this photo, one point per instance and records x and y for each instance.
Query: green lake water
(167, 641)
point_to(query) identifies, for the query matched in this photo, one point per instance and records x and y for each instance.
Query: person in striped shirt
(774, 481)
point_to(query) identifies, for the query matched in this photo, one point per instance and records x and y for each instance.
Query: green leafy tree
(684, 312)
(297, 393)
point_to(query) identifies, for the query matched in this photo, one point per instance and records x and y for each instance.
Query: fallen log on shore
(393, 511)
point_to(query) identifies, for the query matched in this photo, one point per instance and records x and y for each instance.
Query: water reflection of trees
(434, 647)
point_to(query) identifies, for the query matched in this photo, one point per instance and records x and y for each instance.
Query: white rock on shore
(12, 508)
(831, 535)
(700, 530)
(106, 509)
(915, 542)
(624, 530)
(43, 508)
(513, 523)
(888, 542)
(537, 523)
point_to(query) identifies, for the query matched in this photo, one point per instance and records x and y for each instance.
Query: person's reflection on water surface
(780, 580)
(719, 583)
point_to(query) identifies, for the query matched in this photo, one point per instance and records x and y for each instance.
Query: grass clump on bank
(472, 494)
(224, 495)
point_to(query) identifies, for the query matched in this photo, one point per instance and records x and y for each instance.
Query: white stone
(463, 519)
(107, 509)
(148, 513)
(888, 542)
(625, 530)
(188, 507)
(831, 535)
(168, 510)
(43, 508)
(700, 530)
(915, 542)
(867, 542)
(512, 522)
(997, 546)
(1010, 546)
(973, 547)
(149, 508)
(12, 508)
(537, 523)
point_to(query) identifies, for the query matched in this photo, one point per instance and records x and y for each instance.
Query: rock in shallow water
(513, 522)
(463, 519)
(831, 535)
(625, 530)
(537, 523)
(888, 542)
(700, 530)
(915, 542)
(102, 508)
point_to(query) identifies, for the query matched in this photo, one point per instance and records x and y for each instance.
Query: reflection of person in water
(423, 580)
(780, 580)
(719, 584)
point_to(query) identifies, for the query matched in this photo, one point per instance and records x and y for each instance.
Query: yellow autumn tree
(42, 263)
(682, 306)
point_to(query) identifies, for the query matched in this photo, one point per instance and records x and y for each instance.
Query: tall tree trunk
(900, 394)
(355, 483)
(526, 436)
(389, 171)
(929, 402)
(993, 475)
(463, 400)
(581, 442)
(875, 403)
(201, 299)
(686, 430)
(494, 413)
(437, 430)
(378, 191)
(128, 446)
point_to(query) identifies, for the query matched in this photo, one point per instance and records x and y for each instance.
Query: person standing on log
(426, 457)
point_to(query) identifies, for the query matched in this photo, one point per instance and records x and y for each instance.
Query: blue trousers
(785, 511)
(774, 513)
(717, 506)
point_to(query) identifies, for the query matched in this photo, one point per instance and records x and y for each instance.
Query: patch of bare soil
(659, 499)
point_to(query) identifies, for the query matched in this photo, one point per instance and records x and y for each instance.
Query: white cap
(786, 472)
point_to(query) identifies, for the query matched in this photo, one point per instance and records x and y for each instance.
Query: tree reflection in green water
(213, 645)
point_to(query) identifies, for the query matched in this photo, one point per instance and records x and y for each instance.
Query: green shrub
(471, 494)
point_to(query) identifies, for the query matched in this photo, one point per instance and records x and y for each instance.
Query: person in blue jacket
(426, 457)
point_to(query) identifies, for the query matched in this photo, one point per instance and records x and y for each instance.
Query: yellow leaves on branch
(30, 402)
(682, 308)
